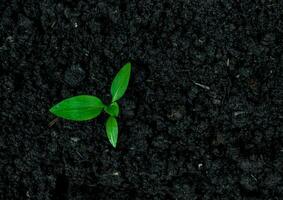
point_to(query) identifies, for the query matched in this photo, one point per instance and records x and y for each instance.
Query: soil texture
(201, 119)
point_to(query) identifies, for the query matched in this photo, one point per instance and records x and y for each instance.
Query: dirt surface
(201, 119)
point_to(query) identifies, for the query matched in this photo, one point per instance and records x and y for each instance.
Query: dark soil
(201, 119)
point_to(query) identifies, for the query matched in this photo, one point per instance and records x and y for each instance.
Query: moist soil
(201, 119)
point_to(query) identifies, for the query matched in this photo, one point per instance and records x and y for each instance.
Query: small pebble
(248, 183)
(177, 113)
(74, 75)
(268, 39)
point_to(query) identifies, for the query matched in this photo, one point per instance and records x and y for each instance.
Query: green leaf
(112, 130)
(112, 109)
(78, 108)
(120, 82)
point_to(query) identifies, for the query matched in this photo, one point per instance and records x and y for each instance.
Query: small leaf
(120, 82)
(112, 109)
(112, 130)
(78, 108)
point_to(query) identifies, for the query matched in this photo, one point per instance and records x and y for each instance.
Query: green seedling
(87, 107)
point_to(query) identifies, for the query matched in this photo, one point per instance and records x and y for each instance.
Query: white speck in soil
(75, 139)
(202, 86)
(115, 174)
(237, 113)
